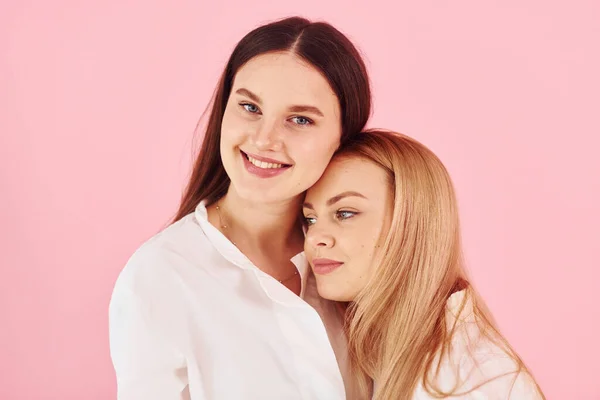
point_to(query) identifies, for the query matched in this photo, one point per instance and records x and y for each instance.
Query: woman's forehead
(349, 173)
(285, 78)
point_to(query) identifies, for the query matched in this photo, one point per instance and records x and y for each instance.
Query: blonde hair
(396, 327)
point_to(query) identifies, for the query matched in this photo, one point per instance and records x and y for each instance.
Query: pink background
(99, 101)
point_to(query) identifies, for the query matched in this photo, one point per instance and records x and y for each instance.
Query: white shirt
(475, 359)
(192, 318)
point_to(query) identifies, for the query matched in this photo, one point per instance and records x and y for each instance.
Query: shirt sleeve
(147, 365)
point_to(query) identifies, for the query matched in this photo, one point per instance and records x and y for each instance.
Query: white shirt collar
(231, 253)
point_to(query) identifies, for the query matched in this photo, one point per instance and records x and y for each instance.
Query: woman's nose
(318, 237)
(266, 137)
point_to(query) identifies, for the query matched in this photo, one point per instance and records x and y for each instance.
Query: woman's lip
(325, 266)
(262, 172)
(265, 159)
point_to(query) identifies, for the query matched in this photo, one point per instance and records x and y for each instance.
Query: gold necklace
(224, 227)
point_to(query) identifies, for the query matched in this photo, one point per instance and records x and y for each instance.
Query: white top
(192, 318)
(474, 359)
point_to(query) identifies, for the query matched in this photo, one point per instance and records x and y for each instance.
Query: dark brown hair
(321, 45)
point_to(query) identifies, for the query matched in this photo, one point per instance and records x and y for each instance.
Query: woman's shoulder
(492, 373)
(486, 364)
(161, 259)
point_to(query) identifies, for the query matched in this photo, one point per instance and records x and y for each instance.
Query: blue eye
(302, 121)
(343, 215)
(251, 108)
(310, 221)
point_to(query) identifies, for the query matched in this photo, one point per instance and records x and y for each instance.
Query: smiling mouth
(263, 164)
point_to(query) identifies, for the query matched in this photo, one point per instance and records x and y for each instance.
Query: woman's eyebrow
(310, 109)
(296, 108)
(249, 94)
(336, 198)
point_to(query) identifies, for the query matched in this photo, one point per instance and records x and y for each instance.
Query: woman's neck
(262, 226)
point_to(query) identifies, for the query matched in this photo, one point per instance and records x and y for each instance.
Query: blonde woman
(383, 239)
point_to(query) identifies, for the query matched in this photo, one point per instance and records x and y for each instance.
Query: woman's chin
(334, 291)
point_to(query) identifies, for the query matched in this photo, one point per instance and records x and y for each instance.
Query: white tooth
(262, 164)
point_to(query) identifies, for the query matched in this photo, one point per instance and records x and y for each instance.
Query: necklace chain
(225, 227)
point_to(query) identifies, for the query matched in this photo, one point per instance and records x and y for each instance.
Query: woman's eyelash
(298, 120)
(307, 121)
(246, 107)
(345, 214)
(309, 220)
(340, 215)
